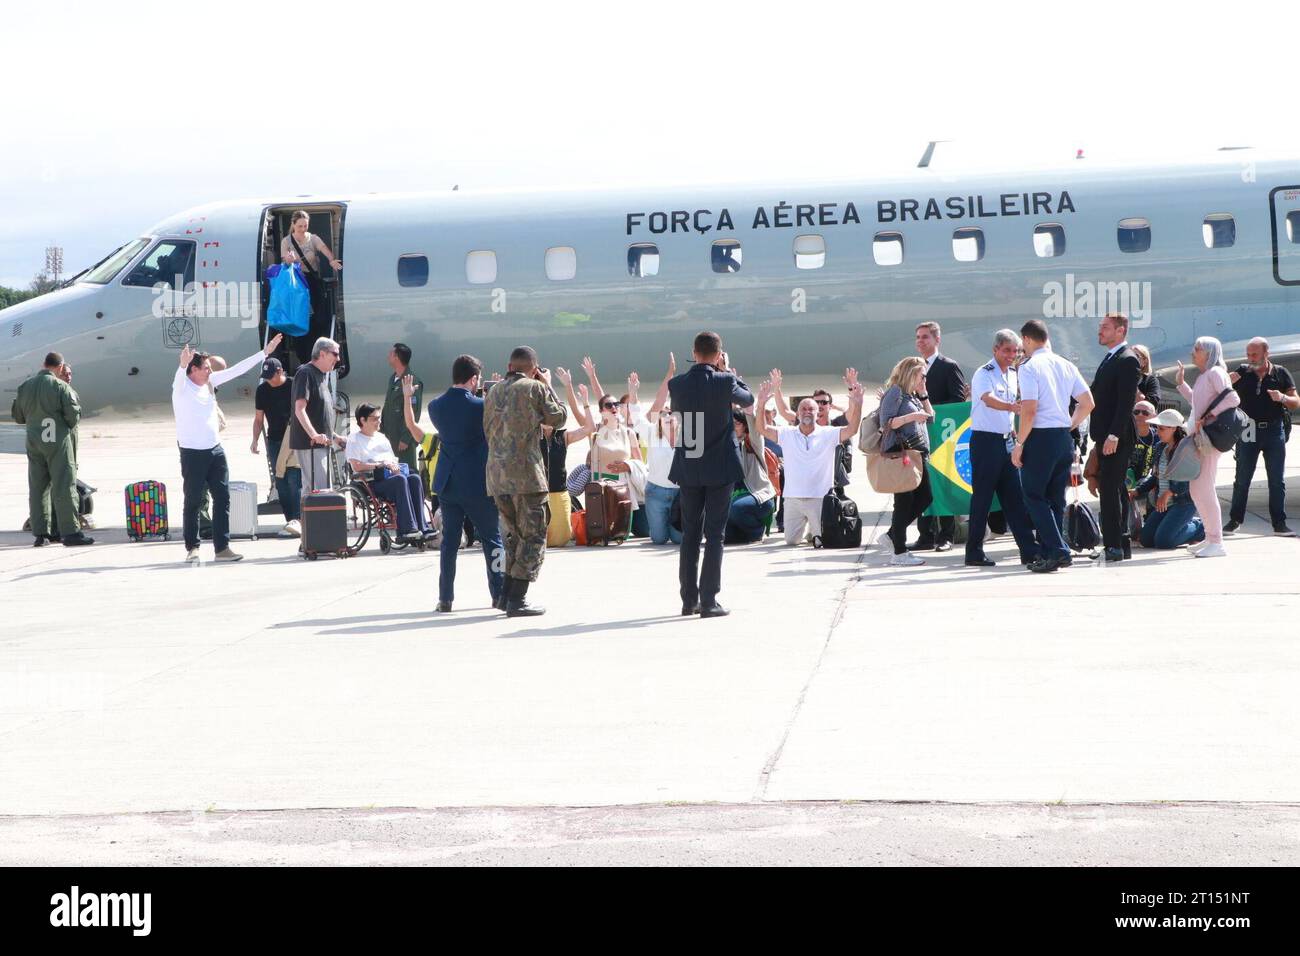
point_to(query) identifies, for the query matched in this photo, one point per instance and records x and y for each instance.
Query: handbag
(895, 472)
(1184, 464)
(1227, 427)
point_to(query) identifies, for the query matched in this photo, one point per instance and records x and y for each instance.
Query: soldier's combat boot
(517, 605)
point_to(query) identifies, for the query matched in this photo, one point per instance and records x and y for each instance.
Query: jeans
(747, 521)
(1045, 474)
(1173, 527)
(1270, 439)
(658, 504)
(289, 488)
(205, 469)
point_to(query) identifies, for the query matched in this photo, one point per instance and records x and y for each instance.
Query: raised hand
(563, 375)
(274, 344)
(187, 353)
(588, 366)
(633, 383)
(672, 364)
(408, 385)
(775, 377)
(496, 377)
(1180, 375)
(584, 395)
(850, 378)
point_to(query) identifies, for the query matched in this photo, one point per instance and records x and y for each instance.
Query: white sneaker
(293, 529)
(229, 555)
(885, 541)
(906, 560)
(1211, 551)
(192, 556)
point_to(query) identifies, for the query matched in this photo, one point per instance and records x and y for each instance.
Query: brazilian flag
(949, 462)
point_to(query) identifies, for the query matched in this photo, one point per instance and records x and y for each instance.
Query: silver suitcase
(243, 509)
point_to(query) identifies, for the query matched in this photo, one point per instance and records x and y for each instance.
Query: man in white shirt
(203, 461)
(810, 451)
(994, 404)
(1043, 450)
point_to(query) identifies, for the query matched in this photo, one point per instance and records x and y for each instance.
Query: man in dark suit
(945, 384)
(706, 466)
(460, 479)
(1114, 389)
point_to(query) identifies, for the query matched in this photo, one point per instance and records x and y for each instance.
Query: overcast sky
(115, 116)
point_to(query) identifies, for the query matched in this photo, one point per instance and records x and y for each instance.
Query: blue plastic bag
(290, 307)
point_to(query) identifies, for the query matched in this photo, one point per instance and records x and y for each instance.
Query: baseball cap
(270, 367)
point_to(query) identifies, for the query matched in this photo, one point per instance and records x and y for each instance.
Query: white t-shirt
(369, 449)
(195, 406)
(1051, 381)
(659, 454)
(809, 460)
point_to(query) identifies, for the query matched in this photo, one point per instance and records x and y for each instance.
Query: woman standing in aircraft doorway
(307, 248)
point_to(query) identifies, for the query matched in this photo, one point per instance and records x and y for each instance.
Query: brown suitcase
(608, 512)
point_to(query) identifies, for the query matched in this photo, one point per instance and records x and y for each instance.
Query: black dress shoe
(716, 610)
(688, 611)
(444, 606)
(1046, 565)
(983, 561)
(921, 544)
(39, 542)
(943, 545)
(76, 540)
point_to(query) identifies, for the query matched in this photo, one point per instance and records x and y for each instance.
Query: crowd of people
(711, 461)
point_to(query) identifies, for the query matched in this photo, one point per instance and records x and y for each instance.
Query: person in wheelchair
(372, 458)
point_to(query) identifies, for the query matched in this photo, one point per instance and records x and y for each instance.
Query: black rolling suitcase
(325, 525)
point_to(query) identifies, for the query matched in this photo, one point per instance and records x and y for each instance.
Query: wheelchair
(367, 512)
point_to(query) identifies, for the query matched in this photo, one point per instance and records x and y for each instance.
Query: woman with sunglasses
(613, 445)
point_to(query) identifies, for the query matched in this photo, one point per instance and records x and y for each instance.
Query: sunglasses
(611, 405)
(822, 401)
(1143, 414)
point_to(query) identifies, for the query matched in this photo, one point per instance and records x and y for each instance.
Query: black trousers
(205, 470)
(942, 528)
(907, 508)
(1112, 492)
(704, 516)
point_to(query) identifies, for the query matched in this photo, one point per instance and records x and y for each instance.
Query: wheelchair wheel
(385, 543)
(359, 517)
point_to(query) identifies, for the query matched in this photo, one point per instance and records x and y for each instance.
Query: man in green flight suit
(48, 407)
(514, 411)
(392, 420)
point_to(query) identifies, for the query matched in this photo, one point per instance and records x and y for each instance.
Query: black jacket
(1114, 389)
(944, 382)
(706, 453)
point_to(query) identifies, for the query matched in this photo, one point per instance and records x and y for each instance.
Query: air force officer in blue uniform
(706, 466)
(460, 478)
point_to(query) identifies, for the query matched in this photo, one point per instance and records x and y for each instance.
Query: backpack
(1082, 533)
(870, 433)
(841, 526)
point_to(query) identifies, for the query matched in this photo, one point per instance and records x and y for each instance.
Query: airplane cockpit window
(887, 248)
(412, 271)
(643, 260)
(107, 268)
(1134, 235)
(170, 261)
(809, 252)
(481, 266)
(968, 244)
(1293, 226)
(726, 255)
(1049, 240)
(1219, 230)
(561, 263)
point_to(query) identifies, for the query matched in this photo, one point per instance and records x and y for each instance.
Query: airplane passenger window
(170, 259)
(107, 268)
(481, 266)
(561, 263)
(1293, 226)
(725, 254)
(1219, 230)
(413, 271)
(1049, 240)
(643, 260)
(1134, 235)
(809, 252)
(968, 244)
(887, 248)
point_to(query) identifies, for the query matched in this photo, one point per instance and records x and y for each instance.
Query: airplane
(808, 278)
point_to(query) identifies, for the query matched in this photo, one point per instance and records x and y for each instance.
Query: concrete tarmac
(133, 685)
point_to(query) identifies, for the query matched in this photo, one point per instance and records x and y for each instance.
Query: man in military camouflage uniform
(514, 412)
(48, 407)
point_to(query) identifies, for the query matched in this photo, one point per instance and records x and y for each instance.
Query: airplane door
(1284, 205)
